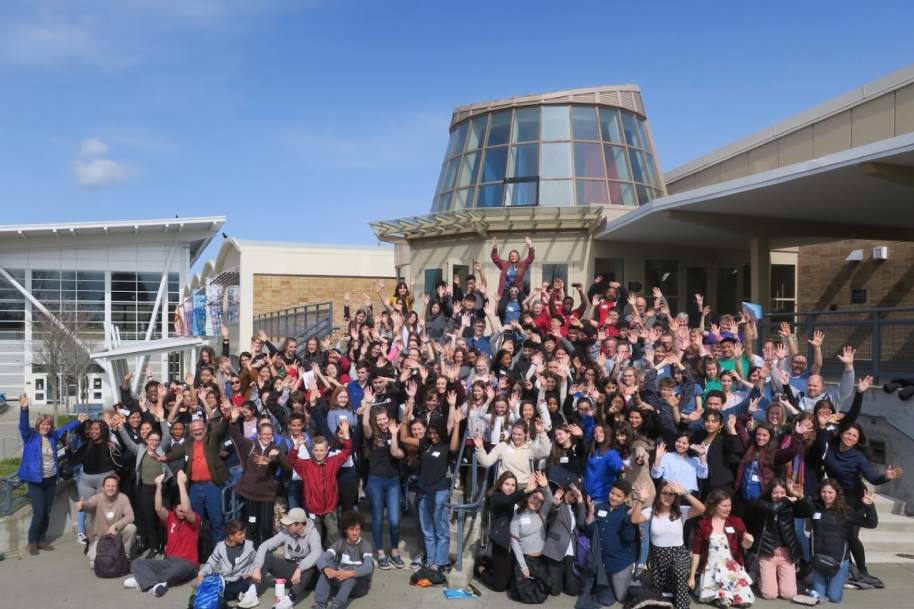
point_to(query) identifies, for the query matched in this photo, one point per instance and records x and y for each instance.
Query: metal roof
(483, 220)
(627, 97)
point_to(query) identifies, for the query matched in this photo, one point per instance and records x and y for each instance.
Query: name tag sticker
(109, 515)
(252, 519)
(755, 477)
(436, 454)
(817, 516)
(730, 530)
(525, 520)
(602, 513)
(388, 441)
(626, 462)
(510, 451)
(563, 460)
(227, 443)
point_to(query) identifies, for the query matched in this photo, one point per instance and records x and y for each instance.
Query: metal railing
(301, 322)
(883, 338)
(231, 506)
(463, 508)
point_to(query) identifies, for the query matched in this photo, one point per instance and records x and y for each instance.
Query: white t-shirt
(666, 533)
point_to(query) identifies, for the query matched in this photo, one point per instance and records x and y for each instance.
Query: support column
(760, 265)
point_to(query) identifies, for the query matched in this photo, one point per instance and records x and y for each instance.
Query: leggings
(855, 502)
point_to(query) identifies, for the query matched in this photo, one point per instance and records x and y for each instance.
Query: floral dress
(724, 581)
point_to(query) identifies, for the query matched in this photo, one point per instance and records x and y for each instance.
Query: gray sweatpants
(170, 570)
(621, 581)
(354, 587)
(281, 568)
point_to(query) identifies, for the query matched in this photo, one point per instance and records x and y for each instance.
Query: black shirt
(380, 462)
(433, 465)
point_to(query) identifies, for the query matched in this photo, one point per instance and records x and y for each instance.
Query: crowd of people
(625, 450)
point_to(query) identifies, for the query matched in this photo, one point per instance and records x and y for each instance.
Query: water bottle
(280, 589)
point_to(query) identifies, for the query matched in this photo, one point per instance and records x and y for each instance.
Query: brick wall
(274, 292)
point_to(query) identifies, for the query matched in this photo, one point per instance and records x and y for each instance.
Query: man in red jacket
(319, 476)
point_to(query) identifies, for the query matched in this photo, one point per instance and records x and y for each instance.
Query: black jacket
(723, 452)
(501, 510)
(779, 515)
(829, 533)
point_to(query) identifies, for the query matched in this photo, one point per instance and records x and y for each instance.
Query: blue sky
(301, 120)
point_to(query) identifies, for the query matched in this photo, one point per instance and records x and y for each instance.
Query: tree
(61, 344)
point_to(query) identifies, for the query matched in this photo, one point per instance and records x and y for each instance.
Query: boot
(43, 545)
(33, 549)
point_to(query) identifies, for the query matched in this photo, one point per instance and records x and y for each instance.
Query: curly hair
(351, 518)
(839, 507)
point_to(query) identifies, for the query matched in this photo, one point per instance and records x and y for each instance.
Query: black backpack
(110, 557)
(206, 543)
(426, 577)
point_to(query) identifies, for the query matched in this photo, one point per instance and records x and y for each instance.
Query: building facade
(111, 272)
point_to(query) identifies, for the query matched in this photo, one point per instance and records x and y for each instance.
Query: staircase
(893, 537)
(300, 323)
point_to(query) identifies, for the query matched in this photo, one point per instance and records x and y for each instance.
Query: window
(460, 139)
(84, 291)
(727, 291)
(663, 274)
(696, 283)
(584, 123)
(555, 123)
(783, 288)
(451, 176)
(551, 272)
(133, 297)
(463, 198)
(592, 192)
(616, 163)
(556, 160)
(639, 166)
(621, 193)
(521, 191)
(610, 127)
(588, 161)
(632, 132)
(557, 193)
(490, 196)
(493, 169)
(477, 133)
(611, 269)
(526, 125)
(12, 307)
(499, 129)
(524, 161)
(432, 277)
(469, 169)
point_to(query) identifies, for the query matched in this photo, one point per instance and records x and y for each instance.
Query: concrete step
(904, 557)
(875, 541)
(893, 523)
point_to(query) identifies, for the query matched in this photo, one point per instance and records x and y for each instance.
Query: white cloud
(93, 147)
(49, 42)
(101, 172)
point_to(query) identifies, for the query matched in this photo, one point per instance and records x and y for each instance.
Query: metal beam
(163, 289)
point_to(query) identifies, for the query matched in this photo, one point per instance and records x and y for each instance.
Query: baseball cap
(295, 515)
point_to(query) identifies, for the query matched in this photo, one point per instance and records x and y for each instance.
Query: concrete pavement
(62, 578)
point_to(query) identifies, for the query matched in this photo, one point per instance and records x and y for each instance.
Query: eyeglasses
(667, 494)
(236, 382)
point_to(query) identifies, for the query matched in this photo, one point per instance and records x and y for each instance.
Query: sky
(303, 120)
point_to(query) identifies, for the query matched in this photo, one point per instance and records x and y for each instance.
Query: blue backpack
(210, 593)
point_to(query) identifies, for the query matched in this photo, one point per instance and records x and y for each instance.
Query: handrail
(890, 423)
(233, 508)
(843, 312)
(298, 322)
(471, 508)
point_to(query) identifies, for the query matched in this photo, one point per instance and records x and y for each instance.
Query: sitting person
(233, 559)
(111, 515)
(301, 545)
(346, 567)
(182, 530)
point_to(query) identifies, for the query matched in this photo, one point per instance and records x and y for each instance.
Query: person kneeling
(111, 515)
(182, 529)
(301, 548)
(233, 559)
(346, 567)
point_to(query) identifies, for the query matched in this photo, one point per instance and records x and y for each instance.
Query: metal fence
(297, 322)
(883, 338)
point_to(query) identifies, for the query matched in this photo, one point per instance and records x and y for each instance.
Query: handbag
(64, 469)
(823, 563)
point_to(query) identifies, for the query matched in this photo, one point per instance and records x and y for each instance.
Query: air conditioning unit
(880, 253)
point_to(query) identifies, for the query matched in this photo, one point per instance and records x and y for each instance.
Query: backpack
(426, 577)
(210, 594)
(582, 551)
(110, 557)
(206, 543)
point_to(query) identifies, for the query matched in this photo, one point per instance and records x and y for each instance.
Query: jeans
(41, 494)
(296, 494)
(832, 587)
(381, 492)
(435, 527)
(645, 528)
(206, 500)
(81, 516)
(800, 524)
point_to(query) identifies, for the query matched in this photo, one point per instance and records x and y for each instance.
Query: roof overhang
(483, 221)
(862, 193)
(151, 347)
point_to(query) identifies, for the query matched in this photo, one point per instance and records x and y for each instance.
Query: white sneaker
(81, 538)
(130, 583)
(285, 603)
(250, 600)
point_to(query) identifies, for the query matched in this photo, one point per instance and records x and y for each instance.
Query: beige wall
(275, 292)
(880, 118)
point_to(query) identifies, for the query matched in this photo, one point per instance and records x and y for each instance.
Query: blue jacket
(600, 473)
(30, 468)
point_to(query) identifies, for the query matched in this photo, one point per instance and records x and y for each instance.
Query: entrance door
(696, 283)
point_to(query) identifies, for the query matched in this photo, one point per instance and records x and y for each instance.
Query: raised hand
(452, 398)
(159, 479)
(477, 441)
(817, 338)
(541, 479)
(661, 450)
(262, 336)
(528, 241)
(892, 474)
(864, 384)
(803, 427)
(540, 427)
(846, 357)
(23, 401)
(182, 477)
(458, 416)
(557, 497)
(731, 423)
(867, 497)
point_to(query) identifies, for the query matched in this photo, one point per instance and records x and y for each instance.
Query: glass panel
(621, 193)
(493, 169)
(652, 170)
(477, 134)
(556, 160)
(526, 125)
(551, 272)
(663, 274)
(645, 194)
(450, 145)
(639, 167)
(632, 136)
(524, 161)
(441, 178)
(585, 123)
(696, 283)
(86, 276)
(783, 281)
(588, 161)
(610, 127)
(444, 202)
(556, 193)
(460, 139)
(500, 129)
(463, 198)
(616, 163)
(642, 133)
(592, 191)
(469, 169)
(520, 193)
(432, 277)
(727, 291)
(611, 269)
(451, 175)
(490, 196)
(555, 123)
